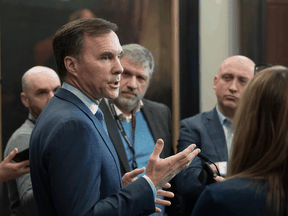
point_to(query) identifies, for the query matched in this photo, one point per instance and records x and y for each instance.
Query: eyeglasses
(260, 67)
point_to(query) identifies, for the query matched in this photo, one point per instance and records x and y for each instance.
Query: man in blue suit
(74, 166)
(211, 131)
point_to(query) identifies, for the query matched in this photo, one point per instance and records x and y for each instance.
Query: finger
(25, 170)
(157, 149)
(167, 185)
(22, 164)
(11, 154)
(219, 179)
(158, 210)
(135, 172)
(183, 155)
(163, 202)
(163, 193)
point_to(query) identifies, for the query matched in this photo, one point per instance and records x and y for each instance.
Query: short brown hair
(68, 40)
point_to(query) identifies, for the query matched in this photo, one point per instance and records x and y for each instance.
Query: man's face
(97, 69)
(230, 82)
(134, 83)
(40, 89)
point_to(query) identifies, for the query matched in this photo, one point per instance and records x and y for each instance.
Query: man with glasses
(211, 131)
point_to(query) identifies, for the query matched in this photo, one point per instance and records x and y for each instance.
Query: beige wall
(219, 38)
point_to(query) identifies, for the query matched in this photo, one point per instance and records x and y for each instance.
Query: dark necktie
(100, 116)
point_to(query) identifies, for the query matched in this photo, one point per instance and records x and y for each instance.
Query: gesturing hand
(164, 194)
(10, 170)
(160, 171)
(129, 177)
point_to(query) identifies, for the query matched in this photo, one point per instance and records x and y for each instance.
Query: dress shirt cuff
(152, 186)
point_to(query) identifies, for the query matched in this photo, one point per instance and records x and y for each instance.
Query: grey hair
(140, 54)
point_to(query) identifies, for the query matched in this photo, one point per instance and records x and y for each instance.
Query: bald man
(211, 131)
(38, 86)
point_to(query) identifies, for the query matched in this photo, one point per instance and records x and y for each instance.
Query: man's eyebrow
(41, 90)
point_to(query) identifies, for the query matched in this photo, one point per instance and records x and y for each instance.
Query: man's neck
(228, 113)
(126, 111)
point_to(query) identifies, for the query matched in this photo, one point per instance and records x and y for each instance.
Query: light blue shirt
(229, 133)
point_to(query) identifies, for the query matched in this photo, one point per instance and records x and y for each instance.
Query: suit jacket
(158, 118)
(238, 196)
(75, 168)
(206, 131)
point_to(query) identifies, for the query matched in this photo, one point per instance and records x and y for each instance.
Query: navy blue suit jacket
(207, 133)
(239, 196)
(75, 168)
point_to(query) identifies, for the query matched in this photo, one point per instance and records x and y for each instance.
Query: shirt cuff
(152, 186)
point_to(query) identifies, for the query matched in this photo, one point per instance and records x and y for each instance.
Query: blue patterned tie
(100, 116)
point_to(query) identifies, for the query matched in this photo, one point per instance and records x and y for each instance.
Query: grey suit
(20, 190)
(158, 118)
(206, 131)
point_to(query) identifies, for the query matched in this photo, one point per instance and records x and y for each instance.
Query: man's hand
(160, 171)
(219, 178)
(164, 194)
(129, 177)
(10, 170)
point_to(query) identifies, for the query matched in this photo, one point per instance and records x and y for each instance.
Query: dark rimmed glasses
(260, 67)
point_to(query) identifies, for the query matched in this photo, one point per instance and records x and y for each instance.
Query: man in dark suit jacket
(74, 166)
(152, 120)
(211, 131)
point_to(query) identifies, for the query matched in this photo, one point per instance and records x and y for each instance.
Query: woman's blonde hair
(260, 143)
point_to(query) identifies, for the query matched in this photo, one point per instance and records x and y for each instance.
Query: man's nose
(118, 69)
(50, 95)
(233, 86)
(132, 83)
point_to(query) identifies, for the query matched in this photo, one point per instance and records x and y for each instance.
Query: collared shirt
(226, 124)
(121, 115)
(93, 106)
(31, 118)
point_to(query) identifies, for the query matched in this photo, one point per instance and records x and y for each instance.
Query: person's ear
(215, 82)
(24, 99)
(71, 65)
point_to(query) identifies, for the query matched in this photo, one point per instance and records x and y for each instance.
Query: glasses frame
(259, 67)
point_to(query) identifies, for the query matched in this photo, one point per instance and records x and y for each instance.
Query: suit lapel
(69, 96)
(115, 135)
(216, 133)
(152, 122)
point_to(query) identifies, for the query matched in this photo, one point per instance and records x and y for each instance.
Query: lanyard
(123, 133)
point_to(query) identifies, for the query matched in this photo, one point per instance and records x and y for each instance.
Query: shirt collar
(31, 117)
(92, 105)
(222, 118)
(121, 115)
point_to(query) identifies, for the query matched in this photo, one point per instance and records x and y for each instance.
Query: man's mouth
(115, 84)
(230, 97)
(128, 93)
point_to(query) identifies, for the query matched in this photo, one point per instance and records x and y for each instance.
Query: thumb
(158, 148)
(11, 154)
(136, 172)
